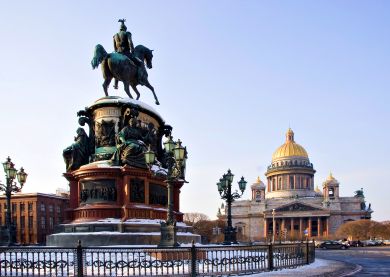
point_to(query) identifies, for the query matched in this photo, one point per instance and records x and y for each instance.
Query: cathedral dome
(290, 148)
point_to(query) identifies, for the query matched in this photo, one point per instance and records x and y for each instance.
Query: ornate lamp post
(174, 159)
(225, 190)
(9, 188)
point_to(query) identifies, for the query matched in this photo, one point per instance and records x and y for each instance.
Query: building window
(291, 182)
(21, 208)
(30, 207)
(51, 223)
(58, 209)
(13, 208)
(43, 208)
(51, 209)
(43, 222)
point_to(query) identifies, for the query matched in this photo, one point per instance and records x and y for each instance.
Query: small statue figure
(359, 193)
(130, 147)
(77, 154)
(123, 44)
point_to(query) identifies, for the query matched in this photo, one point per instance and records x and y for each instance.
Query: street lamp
(175, 156)
(9, 188)
(273, 226)
(225, 190)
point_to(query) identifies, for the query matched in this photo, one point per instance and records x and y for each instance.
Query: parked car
(345, 242)
(386, 242)
(369, 242)
(356, 243)
(379, 242)
(330, 244)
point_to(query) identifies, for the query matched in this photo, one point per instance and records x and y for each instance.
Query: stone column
(309, 223)
(288, 181)
(300, 226)
(282, 228)
(292, 227)
(265, 227)
(327, 226)
(295, 181)
(319, 234)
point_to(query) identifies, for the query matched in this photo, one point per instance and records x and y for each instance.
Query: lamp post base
(168, 235)
(230, 236)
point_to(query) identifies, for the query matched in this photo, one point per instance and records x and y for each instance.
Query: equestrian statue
(126, 64)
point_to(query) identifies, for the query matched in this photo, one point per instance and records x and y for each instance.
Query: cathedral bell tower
(331, 188)
(258, 191)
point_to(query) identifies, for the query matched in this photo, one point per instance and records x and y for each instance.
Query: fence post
(307, 252)
(270, 257)
(79, 257)
(193, 259)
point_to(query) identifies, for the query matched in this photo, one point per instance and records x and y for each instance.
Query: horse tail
(99, 55)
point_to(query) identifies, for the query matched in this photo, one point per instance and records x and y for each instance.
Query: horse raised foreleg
(106, 84)
(148, 85)
(127, 89)
(134, 87)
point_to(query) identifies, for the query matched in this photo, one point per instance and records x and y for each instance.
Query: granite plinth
(103, 233)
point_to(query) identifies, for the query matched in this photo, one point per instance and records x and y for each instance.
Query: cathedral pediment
(297, 207)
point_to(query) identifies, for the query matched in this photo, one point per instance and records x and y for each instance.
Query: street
(374, 260)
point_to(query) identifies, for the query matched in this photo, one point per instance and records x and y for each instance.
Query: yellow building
(292, 203)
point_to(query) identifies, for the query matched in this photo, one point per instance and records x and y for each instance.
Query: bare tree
(364, 229)
(191, 218)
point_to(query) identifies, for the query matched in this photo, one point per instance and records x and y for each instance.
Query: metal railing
(145, 261)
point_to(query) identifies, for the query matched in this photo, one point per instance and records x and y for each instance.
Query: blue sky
(231, 77)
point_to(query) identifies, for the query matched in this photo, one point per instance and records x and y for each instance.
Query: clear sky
(231, 77)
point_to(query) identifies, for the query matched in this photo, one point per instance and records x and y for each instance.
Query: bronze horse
(120, 67)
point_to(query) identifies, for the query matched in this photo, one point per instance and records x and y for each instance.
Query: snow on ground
(316, 268)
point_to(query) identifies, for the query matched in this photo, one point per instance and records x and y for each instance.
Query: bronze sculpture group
(126, 64)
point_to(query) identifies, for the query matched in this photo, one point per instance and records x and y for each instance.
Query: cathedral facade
(290, 203)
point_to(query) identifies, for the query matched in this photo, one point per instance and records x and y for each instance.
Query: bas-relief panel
(157, 194)
(137, 190)
(98, 191)
(107, 112)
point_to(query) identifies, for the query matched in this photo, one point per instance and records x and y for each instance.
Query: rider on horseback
(123, 44)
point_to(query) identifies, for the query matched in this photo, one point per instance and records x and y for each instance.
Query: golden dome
(330, 177)
(290, 148)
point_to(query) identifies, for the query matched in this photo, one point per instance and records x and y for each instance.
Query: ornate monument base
(115, 197)
(115, 232)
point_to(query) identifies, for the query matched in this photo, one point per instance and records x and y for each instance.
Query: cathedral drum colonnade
(300, 208)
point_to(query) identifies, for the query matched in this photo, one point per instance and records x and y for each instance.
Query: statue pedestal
(99, 191)
(117, 232)
(110, 181)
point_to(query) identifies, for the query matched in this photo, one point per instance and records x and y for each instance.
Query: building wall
(249, 215)
(35, 215)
